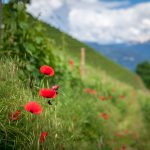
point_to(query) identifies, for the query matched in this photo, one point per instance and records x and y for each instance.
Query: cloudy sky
(101, 21)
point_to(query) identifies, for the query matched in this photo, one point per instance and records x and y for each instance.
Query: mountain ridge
(127, 55)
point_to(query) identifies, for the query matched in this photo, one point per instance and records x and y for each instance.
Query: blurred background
(119, 29)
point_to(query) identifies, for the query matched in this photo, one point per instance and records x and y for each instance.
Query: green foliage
(143, 70)
(24, 38)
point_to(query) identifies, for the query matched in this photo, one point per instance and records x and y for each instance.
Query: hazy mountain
(128, 55)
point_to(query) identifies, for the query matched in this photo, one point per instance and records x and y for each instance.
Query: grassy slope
(93, 58)
(73, 121)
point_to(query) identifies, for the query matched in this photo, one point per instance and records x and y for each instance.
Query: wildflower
(87, 90)
(48, 93)
(102, 98)
(123, 147)
(71, 62)
(126, 131)
(33, 107)
(47, 70)
(90, 91)
(43, 136)
(104, 116)
(122, 96)
(110, 97)
(55, 87)
(15, 116)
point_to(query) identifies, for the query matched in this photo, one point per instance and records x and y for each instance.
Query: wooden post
(82, 65)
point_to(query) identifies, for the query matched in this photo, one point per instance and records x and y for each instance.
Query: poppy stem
(42, 81)
(47, 84)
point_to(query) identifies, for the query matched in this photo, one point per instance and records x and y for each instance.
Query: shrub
(143, 70)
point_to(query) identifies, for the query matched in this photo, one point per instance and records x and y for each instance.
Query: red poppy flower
(122, 96)
(87, 90)
(110, 97)
(47, 70)
(126, 131)
(123, 147)
(33, 107)
(71, 62)
(104, 116)
(43, 136)
(15, 116)
(102, 98)
(48, 93)
(55, 87)
(90, 91)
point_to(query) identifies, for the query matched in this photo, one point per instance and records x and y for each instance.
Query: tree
(143, 70)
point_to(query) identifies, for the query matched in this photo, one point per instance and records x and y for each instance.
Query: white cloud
(94, 20)
(112, 25)
(44, 8)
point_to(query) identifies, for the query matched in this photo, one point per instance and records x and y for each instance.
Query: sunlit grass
(73, 121)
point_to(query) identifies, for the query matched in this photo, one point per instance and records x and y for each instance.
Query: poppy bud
(43, 136)
(55, 87)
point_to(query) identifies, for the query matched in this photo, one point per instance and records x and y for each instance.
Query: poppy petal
(33, 107)
(47, 70)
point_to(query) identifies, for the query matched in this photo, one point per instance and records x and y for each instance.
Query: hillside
(128, 55)
(46, 104)
(93, 58)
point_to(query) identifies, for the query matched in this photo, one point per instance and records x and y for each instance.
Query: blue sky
(101, 21)
(132, 2)
(5, 1)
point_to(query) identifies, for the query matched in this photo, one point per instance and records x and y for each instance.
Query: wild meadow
(47, 102)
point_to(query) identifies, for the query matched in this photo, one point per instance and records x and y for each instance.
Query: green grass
(73, 121)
